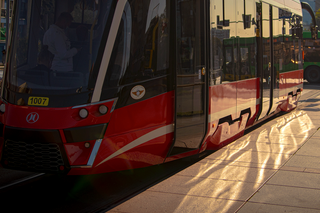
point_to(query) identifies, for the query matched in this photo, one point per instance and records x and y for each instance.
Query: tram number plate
(38, 101)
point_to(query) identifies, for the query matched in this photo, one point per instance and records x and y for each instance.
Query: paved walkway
(275, 168)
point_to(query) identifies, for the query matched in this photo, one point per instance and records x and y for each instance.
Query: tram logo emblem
(32, 117)
(138, 92)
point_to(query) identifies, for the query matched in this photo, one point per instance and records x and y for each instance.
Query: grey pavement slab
(161, 202)
(249, 156)
(311, 162)
(316, 135)
(296, 179)
(288, 196)
(195, 186)
(261, 165)
(257, 137)
(228, 172)
(267, 147)
(270, 208)
(312, 148)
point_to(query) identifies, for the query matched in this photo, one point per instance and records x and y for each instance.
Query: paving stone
(267, 208)
(310, 162)
(296, 179)
(228, 172)
(194, 186)
(160, 202)
(249, 156)
(288, 196)
(311, 148)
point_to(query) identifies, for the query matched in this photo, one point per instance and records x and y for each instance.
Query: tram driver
(59, 44)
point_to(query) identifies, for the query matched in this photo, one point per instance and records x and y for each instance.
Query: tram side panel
(291, 86)
(138, 135)
(233, 107)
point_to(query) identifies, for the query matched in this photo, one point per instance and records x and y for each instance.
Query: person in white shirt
(59, 44)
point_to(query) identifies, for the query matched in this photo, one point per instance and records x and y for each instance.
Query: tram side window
(247, 40)
(233, 43)
(277, 41)
(216, 61)
(221, 43)
(149, 46)
(292, 56)
(245, 66)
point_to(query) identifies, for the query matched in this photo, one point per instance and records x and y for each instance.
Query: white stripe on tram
(108, 50)
(143, 139)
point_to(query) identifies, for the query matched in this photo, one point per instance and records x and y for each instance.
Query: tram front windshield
(54, 49)
(60, 50)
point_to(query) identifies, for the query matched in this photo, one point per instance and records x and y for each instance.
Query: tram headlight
(2, 108)
(83, 113)
(103, 109)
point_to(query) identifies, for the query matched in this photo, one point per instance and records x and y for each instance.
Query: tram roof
(293, 6)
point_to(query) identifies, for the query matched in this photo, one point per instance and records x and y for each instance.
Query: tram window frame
(110, 79)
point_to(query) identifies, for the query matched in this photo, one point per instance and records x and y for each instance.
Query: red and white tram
(150, 81)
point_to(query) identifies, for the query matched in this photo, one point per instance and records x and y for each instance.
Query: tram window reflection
(149, 47)
(233, 46)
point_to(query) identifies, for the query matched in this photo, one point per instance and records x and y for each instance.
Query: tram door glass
(190, 76)
(277, 24)
(267, 69)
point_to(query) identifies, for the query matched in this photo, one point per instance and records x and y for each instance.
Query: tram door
(272, 51)
(190, 94)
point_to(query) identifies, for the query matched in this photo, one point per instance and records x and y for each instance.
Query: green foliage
(2, 33)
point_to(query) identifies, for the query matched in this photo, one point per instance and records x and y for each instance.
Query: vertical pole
(244, 15)
(223, 12)
(7, 20)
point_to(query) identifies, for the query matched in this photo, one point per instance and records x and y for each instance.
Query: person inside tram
(59, 44)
